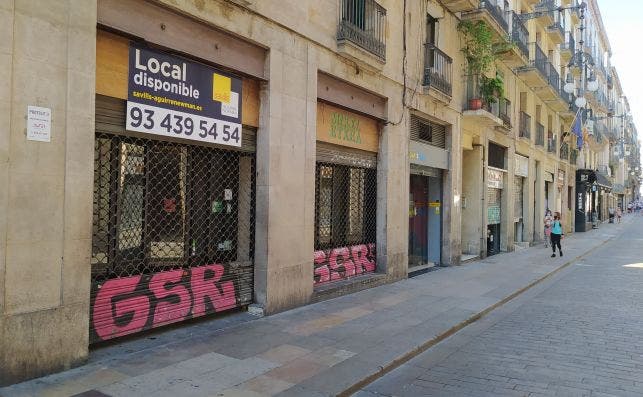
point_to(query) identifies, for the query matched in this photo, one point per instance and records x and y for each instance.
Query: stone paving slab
(577, 334)
(321, 349)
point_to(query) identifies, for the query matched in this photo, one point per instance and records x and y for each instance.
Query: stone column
(393, 193)
(452, 193)
(47, 55)
(286, 181)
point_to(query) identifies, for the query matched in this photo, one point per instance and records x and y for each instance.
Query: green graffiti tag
(345, 128)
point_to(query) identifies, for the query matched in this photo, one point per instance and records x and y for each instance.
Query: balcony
(475, 117)
(437, 69)
(555, 31)
(598, 99)
(547, 18)
(541, 75)
(518, 55)
(612, 133)
(491, 14)
(504, 113)
(540, 135)
(573, 157)
(524, 130)
(460, 5)
(570, 108)
(363, 24)
(599, 131)
(551, 143)
(564, 151)
(568, 47)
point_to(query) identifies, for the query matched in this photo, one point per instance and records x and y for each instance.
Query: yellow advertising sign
(221, 88)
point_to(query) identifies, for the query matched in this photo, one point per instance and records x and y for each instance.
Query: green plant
(478, 47)
(481, 52)
(491, 88)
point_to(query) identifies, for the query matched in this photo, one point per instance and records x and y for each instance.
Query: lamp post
(581, 60)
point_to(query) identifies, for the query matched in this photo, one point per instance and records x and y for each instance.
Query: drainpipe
(483, 229)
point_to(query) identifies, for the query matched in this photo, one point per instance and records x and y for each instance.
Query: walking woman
(547, 221)
(556, 235)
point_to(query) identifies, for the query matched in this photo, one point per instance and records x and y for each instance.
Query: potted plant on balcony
(491, 89)
(481, 52)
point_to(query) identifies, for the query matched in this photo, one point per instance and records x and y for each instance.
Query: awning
(602, 180)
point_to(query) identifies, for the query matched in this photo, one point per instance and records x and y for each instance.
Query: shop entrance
(494, 197)
(173, 230)
(425, 221)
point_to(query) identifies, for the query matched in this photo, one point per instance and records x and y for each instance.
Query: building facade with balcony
(324, 147)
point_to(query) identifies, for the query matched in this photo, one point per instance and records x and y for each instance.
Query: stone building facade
(332, 148)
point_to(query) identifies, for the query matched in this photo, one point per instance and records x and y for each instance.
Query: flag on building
(577, 128)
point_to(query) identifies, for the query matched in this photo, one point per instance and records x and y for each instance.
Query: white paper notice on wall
(38, 124)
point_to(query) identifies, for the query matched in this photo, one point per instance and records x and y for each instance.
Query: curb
(383, 370)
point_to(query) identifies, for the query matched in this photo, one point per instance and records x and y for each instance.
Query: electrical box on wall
(463, 200)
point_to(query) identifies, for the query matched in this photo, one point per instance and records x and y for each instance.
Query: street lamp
(581, 60)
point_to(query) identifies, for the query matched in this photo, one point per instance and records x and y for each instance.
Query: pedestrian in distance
(619, 214)
(556, 235)
(547, 221)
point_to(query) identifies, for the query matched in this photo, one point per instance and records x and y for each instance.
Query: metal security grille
(345, 206)
(428, 132)
(173, 233)
(161, 205)
(494, 203)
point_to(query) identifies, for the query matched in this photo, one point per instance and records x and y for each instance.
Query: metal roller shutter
(173, 228)
(428, 132)
(329, 153)
(345, 213)
(494, 203)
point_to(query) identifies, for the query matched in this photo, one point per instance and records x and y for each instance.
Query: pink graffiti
(344, 262)
(131, 304)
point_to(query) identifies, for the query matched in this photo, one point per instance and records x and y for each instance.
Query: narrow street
(576, 334)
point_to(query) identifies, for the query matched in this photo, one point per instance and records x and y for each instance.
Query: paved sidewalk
(317, 350)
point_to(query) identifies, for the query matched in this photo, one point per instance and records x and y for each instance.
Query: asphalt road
(579, 333)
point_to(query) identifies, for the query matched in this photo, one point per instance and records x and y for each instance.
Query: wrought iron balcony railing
(524, 130)
(546, 68)
(363, 22)
(519, 34)
(573, 156)
(437, 69)
(497, 13)
(559, 23)
(551, 143)
(540, 134)
(504, 112)
(564, 151)
(570, 43)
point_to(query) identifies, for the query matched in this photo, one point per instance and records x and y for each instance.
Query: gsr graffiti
(131, 304)
(344, 262)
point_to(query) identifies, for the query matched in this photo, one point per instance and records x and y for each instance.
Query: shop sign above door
(522, 166)
(341, 127)
(174, 97)
(495, 178)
